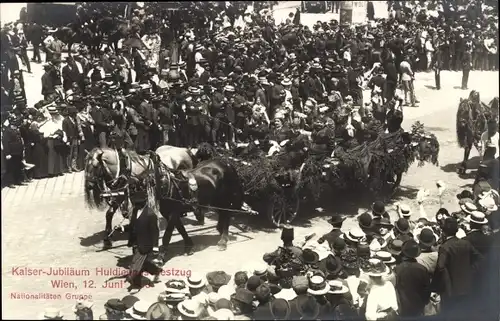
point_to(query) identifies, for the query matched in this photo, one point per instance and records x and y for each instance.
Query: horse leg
(397, 182)
(167, 235)
(223, 228)
(463, 167)
(108, 229)
(188, 242)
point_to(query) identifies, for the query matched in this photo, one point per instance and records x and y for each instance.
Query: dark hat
(240, 278)
(309, 256)
(465, 194)
(426, 237)
(332, 266)
(402, 225)
(263, 293)
(287, 233)
(410, 249)
(365, 221)
(339, 244)
(243, 296)
(116, 305)
(159, 311)
(308, 307)
(363, 250)
(129, 301)
(378, 208)
(217, 279)
(280, 309)
(395, 246)
(253, 283)
(336, 220)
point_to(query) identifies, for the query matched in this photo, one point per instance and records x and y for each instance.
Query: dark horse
(214, 185)
(107, 172)
(472, 117)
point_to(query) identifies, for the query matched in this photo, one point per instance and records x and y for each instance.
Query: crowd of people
(229, 75)
(389, 267)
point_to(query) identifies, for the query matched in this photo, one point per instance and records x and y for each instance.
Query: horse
(106, 170)
(472, 117)
(214, 185)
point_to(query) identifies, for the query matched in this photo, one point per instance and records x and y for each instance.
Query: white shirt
(428, 46)
(380, 298)
(347, 55)
(494, 139)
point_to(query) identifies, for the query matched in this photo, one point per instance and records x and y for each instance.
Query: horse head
(99, 169)
(424, 146)
(474, 97)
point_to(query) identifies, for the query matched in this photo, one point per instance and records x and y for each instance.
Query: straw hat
(337, 287)
(226, 291)
(404, 210)
(477, 217)
(190, 308)
(468, 207)
(139, 310)
(354, 235)
(286, 82)
(196, 281)
(376, 268)
(82, 304)
(318, 285)
(385, 257)
(286, 294)
(51, 313)
(223, 314)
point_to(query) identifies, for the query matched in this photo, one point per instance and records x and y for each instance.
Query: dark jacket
(70, 127)
(331, 236)
(457, 261)
(12, 142)
(145, 232)
(412, 288)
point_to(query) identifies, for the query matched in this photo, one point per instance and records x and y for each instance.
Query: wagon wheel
(282, 208)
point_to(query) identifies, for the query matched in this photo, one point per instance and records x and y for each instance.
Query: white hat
(260, 269)
(354, 234)
(337, 287)
(226, 291)
(223, 314)
(477, 217)
(286, 294)
(286, 82)
(189, 308)
(318, 285)
(468, 207)
(52, 313)
(488, 203)
(404, 210)
(229, 88)
(83, 304)
(138, 311)
(195, 281)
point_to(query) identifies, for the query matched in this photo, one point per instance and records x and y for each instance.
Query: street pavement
(46, 223)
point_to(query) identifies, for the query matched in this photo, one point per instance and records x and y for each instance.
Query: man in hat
(143, 236)
(437, 65)
(13, 149)
(466, 67)
(412, 282)
(54, 48)
(72, 73)
(379, 212)
(454, 281)
(428, 256)
(287, 236)
(102, 123)
(73, 130)
(336, 221)
(36, 34)
(48, 88)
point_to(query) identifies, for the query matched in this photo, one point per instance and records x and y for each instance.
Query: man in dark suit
(336, 222)
(36, 35)
(466, 67)
(73, 132)
(144, 235)
(482, 243)
(453, 278)
(13, 149)
(412, 282)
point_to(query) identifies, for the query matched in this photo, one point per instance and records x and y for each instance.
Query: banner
(359, 10)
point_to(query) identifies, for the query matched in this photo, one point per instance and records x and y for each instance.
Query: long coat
(457, 260)
(412, 287)
(145, 231)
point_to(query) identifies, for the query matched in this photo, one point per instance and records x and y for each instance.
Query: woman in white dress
(152, 41)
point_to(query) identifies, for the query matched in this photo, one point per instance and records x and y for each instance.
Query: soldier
(217, 111)
(466, 63)
(437, 65)
(193, 113)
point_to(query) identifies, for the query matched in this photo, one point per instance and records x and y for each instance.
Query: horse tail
(153, 183)
(237, 194)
